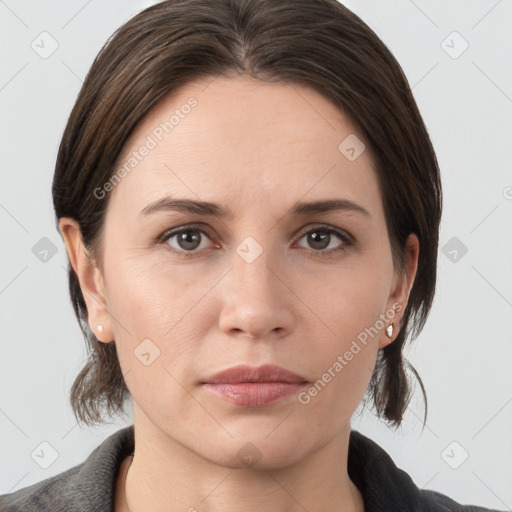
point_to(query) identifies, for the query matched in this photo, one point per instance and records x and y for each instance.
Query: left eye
(320, 239)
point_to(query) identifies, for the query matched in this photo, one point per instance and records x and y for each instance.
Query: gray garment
(90, 486)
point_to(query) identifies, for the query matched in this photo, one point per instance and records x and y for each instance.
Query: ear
(400, 289)
(90, 278)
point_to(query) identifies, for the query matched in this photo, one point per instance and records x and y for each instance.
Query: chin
(257, 450)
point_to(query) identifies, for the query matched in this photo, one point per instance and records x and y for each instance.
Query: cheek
(350, 297)
(343, 358)
(341, 362)
(155, 336)
(331, 400)
(346, 355)
(147, 302)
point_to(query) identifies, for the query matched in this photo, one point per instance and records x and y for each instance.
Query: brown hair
(317, 43)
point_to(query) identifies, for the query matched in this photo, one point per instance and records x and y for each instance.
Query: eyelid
(174, 231)
(340, 232)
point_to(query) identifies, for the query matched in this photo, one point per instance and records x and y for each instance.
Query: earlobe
(390, 335)
(399, 297)
(90, 279)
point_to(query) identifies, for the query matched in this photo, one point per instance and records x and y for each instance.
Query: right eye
(187, 240)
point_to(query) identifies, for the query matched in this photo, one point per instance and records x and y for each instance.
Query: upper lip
(244, 373)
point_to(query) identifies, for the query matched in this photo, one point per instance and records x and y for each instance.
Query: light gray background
(464, 354)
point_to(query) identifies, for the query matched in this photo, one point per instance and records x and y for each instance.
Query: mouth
(248, 386)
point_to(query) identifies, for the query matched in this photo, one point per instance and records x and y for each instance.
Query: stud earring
(100, 328)
(389, 330)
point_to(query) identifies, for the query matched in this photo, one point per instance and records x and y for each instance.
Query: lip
(249, 386)
(244, 373)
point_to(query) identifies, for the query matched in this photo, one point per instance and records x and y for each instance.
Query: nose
(257, 299)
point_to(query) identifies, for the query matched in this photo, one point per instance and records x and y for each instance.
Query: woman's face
(251, 286)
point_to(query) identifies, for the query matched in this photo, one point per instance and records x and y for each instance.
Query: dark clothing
(90, 486)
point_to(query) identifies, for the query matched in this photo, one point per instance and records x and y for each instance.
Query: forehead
(237, 140)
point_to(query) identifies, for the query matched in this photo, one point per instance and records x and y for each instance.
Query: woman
(250, 203)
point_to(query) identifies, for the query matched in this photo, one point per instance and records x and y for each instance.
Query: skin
(256, 148)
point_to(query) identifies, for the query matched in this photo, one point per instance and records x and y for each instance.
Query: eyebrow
(212, 209)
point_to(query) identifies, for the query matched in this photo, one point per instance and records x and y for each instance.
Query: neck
(167, 476)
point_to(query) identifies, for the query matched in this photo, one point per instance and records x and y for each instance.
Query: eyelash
(347, 240)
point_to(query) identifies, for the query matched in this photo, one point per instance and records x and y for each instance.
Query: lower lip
(255, 394)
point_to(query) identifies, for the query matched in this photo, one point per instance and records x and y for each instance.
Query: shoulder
(385, 487)
(436, 501)
(86, 486)
(44, 495)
